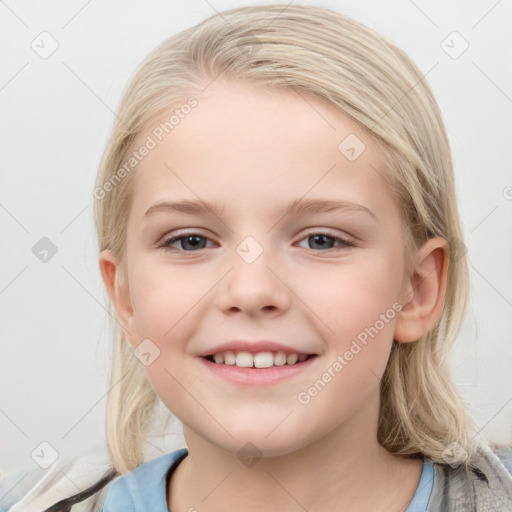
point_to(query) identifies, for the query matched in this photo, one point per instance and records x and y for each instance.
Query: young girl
(280, 242)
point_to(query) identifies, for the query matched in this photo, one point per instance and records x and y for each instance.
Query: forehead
(257, 147)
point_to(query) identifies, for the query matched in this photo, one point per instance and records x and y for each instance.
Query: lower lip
(257, 376)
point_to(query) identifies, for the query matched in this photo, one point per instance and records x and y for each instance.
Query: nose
(253, 287)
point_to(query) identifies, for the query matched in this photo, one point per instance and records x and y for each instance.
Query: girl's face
(289, 234)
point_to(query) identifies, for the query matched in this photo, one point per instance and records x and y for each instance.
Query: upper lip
(251, 346)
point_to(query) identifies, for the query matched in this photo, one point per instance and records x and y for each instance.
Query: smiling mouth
(245, 359)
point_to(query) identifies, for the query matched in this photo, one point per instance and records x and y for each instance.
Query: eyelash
(168, 242)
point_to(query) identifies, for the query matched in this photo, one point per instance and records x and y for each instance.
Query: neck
(346, 470)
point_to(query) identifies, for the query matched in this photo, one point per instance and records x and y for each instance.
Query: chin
(254, 443)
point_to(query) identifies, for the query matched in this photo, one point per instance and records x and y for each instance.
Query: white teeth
(259, 360)
(229, 358)
(280, 359)
(244, 360)
(292, 358)
(263, 360)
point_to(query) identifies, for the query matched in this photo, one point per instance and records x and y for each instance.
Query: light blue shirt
(421, 498)
(144, 488)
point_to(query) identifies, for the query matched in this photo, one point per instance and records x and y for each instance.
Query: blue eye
(190, 242)
(193, 241)
(325, 241)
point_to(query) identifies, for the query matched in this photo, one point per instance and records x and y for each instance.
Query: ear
(423, 291)
(119, 295)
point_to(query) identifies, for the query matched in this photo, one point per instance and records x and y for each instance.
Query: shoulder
(14, 485)
(144, 486)
(486, 486)
(504, 454)
(87, 484)
(34, 488)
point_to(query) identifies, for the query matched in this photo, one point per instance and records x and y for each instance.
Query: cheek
(358, 306)
(162, 296)
(165, 303)
(353, 294)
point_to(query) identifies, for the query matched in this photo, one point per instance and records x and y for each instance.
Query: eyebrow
(295, 207)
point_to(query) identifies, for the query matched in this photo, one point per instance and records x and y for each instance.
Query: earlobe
(423, 292)
(118, 293)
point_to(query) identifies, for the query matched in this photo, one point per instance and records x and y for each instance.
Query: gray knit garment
(486, 489)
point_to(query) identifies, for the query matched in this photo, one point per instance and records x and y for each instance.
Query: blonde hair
(314, 51)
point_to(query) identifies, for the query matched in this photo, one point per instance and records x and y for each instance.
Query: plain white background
(56, 114)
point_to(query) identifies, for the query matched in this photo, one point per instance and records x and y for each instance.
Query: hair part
(310, 51)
